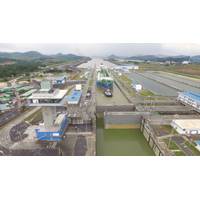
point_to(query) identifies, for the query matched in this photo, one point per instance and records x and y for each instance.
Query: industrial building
(11, 96)
(49, 98)
(126, 68)
(54, 133)
(75, 96)
(59, 80)
(186, 126)
(190, 98)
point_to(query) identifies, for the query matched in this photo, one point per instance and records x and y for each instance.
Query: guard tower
(49, 98)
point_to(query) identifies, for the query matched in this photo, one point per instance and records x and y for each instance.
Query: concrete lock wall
(128, 120)
(149, 135)
(115, 108)
(123, 120)
(152, 143)
(49, 115)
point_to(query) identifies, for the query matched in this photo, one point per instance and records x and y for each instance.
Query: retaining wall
(123, 120)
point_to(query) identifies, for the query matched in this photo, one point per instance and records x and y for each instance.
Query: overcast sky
(120, 49)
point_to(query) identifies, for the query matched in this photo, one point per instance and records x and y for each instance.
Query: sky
(106, 49)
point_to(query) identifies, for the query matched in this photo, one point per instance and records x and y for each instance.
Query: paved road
(4, 131)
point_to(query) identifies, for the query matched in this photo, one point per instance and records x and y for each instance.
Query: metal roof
(188, 123)
(57, 94)
(192, 95)
(4, 107)
(28, 93)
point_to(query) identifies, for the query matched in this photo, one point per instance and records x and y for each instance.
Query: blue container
(52, 135)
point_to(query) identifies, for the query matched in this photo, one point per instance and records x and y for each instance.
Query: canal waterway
(121, 142)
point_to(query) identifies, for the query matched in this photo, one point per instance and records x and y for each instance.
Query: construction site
(101, 113)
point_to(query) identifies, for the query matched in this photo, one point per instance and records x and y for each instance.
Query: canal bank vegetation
(146, 93)
(192, 147)
(126, 84)
(171, 144)
(179, 153)
(191, 70)
(169, 129)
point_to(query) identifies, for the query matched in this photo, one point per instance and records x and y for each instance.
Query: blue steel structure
(191, 95)
(53, 135)
(190, 98)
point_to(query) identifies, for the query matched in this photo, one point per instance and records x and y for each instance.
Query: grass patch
(171, 144)
(195, 151)
(125, 79)
(179, 153)
(169, 129)
(146, 93)
(126, 83)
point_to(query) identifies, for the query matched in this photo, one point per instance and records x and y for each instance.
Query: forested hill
(16, 63)
(34, 55)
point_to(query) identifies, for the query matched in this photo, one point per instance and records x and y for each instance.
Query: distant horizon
(156, 55)
(106, 49)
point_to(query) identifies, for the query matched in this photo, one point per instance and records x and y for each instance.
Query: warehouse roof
(4, 107)
(25, 88)
(192, 95)
(57, 94)
(188, 123)
(28, 93)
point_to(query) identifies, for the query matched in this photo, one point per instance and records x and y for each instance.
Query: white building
(126, 68)
(191, 99)
(137, 87)
(186, 126)
(186, 62)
